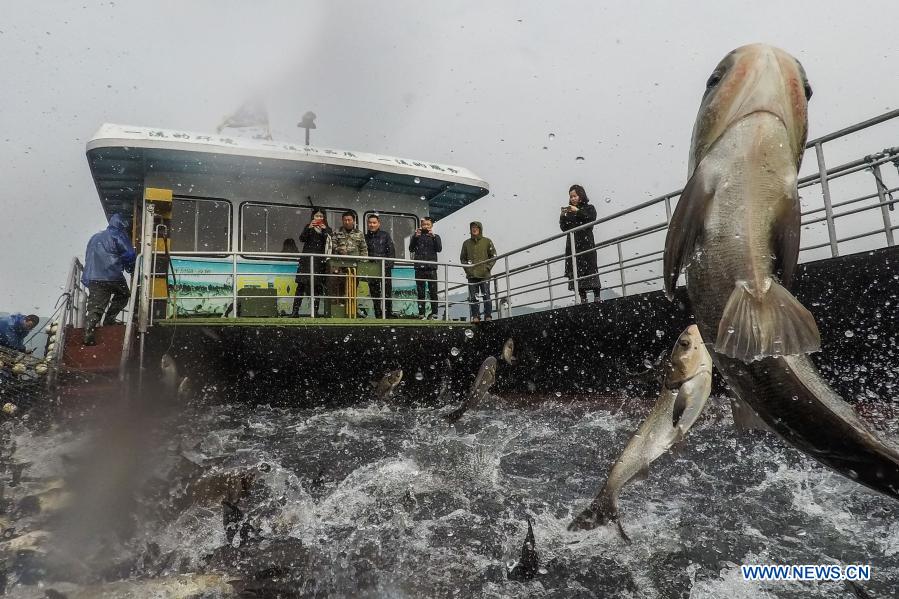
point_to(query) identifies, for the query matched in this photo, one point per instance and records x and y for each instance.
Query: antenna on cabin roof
(307, 123)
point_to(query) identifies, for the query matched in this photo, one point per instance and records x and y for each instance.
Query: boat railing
(630, 262)
(244, 266)
(73, 312)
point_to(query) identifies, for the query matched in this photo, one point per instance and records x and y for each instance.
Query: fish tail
(601, 511)
(758, 323)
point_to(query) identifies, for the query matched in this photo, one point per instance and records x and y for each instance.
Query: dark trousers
(430, 279)
(113, 294)
(482, 286)
(374, 290)
(306, 283)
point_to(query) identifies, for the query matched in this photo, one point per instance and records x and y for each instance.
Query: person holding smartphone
(316, 237)
(579, 212)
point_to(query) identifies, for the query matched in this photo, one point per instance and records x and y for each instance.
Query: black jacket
(587, 269)
(425, 247)
(380, 244)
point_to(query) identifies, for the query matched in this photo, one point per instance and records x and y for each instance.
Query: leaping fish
(736, 230)
(685, 390)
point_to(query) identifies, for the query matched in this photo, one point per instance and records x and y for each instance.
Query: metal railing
(630, 262)
(222, 297)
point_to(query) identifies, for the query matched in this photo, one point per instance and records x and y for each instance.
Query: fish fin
(623, 534)
(685, 226)
(680, 405)
(786, 241)
(642, 473)
(760, 323)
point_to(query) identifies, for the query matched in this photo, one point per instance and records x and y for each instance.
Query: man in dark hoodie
(479, 252)
(425, 244)
(108, 253)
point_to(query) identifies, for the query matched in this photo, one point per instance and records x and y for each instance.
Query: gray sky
(477, 84)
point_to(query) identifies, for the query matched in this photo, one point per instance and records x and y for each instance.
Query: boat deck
(311, 322)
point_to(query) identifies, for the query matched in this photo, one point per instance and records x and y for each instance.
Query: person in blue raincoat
(108, 253)
(14, 328)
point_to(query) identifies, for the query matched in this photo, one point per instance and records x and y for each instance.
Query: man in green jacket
(479, 252)
(342, 281)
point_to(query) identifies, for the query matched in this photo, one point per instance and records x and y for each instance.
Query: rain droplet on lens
(417, 180)
(419, 375)
(558, 394)
(849, 333)
(552, 136)
(455, 351)
(579, 158)
(469, 333)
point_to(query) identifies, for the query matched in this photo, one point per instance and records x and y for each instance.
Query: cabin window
(401, 227)
(200, 225)
(266, 227)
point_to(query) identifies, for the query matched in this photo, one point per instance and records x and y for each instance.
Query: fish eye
(808, 90)
(714, 79)
(684, 343)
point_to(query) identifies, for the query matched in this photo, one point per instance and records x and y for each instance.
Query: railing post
(668, 209)
(312, 309)
(446, 315)
(621, 270)
(828, 207)
(884, 209)
(577, 293)
(383, 299)
(508, 289)
(549, 285)
(234, 285)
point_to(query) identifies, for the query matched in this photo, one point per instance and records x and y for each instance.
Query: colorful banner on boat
(203, 287)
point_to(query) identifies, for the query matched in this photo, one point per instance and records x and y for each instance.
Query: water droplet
(558, 394)
(417, 180)
(423, 198)
(552, 136)
(608, 200)
(455, 351)
(849, 333)
(659, 333)
(579, 158)
(469, 333)
(419, 375)
(565, 367)
(347, 338)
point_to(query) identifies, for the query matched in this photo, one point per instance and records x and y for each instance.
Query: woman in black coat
(315, 239)
(580, 212)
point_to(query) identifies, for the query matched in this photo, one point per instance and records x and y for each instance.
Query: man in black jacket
(380, 244)
(426, 245)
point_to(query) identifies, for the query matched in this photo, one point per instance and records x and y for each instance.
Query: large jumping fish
(736, 230)
(685, 390)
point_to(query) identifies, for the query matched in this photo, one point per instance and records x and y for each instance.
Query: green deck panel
(310, 322)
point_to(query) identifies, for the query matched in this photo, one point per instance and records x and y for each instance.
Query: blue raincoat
(108, 253)
(13, 332)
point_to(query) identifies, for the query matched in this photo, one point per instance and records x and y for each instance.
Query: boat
(211, 214)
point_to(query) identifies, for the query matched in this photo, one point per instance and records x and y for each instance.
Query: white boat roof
(120, 155)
